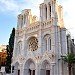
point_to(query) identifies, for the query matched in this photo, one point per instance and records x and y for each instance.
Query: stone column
(37, 71)
(19, 21)
(15, 71)
(53, 69)
(52, 9)
(48, 12)
(27, 20)
(53, 4)
(41, 12)
(21, 69)
(47, 44)
(44, 12)
(42, 72)
(54, 14)
(53, 44)
(40, 40)
(26, 72)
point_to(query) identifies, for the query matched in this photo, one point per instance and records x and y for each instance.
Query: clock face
(33, 44)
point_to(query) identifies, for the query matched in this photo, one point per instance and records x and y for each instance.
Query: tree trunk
(69, 68)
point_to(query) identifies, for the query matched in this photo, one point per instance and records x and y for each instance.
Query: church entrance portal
(29, 68)
(45, 69)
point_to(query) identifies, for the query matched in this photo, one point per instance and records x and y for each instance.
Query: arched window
(50, 10)
(49, 43)
(21, 21)
(46, 12)
(46, 44)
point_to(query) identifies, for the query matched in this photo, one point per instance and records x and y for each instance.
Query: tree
(10, 51)
(70, 59)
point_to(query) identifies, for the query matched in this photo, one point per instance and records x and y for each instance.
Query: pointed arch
(45, 64)
(29, 67)
(16, 69)
(28, 63)
(47, 42)
(45, 68)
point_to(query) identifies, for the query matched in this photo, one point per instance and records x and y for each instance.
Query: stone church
(39, 44)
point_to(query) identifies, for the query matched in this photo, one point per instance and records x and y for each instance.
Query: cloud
(16, 6)
(8, 5)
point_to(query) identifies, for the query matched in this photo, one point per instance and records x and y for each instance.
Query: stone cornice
(35, 27)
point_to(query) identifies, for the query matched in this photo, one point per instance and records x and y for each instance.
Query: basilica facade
(39, 44)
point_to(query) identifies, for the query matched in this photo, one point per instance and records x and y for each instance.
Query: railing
(46, 24)
(37, 25)
(33, 26)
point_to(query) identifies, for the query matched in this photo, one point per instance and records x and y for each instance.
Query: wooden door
(33, 72)
(18, 72)
(47, 72)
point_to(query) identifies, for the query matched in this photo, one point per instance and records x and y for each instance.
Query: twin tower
(49, 9)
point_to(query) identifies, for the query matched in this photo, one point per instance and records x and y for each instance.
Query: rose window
(33, 44)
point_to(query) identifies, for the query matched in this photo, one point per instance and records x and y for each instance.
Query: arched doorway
(45, 68)
(16, 69)
(29, 68)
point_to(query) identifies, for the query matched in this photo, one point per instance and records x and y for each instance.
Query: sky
(9, 9)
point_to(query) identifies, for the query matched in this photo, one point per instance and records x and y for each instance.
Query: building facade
(3, 55)
(39, 44)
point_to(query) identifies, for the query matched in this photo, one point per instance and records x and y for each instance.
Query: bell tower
(50, 10)
(47, 9)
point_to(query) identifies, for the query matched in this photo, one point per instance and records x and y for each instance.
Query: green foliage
(11, 39)
(70, 58)
(10, 51)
